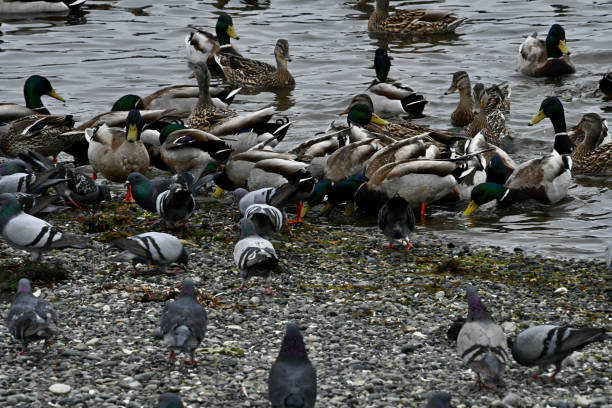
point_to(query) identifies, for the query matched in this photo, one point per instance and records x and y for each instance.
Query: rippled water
(115, 47)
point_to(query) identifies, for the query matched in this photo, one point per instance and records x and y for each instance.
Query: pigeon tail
(295, 401)
(183, 333)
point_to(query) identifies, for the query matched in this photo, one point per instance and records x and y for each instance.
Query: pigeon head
(9, 207)
(438, 400)
(24, 286)
(239, 193)
(247, 228)
(188, 288)
(476, 310)
(293, 343)
(169, 400)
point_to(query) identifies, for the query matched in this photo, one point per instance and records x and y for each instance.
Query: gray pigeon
(438, 400)
(396, 220)
(266, 218)
(293, 379)
(32, 234)
(169, 400)
(547, 344)
(152, 248)
(254, 255)
(28, 182)
(30, 318)
(481, 343)
(183, 322)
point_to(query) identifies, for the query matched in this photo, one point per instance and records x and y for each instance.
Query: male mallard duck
(392, 97)
(464, 113)
(116, 152)
(605, 84)
(412, 22)
(38, 6)
(551, 58)
(545, 179)
(246, 72)
(41, 133)
(592, 155)
(203, 46)
(34, 87)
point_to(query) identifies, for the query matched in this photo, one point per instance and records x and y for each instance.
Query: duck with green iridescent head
(34, 88)
(392, 98)
(545, 179)
(548, 58)
(203, 46)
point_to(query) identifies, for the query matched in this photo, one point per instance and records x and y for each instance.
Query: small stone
(560, 291)
(439, 295)
(60, 388)
(81, 347)
(106, 309)
(93, 342)
(513, 400)
(509, 327)
(582, 401)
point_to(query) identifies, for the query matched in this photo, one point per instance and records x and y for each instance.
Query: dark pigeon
(293, 379)
(254, 255)
(183, 322)
(30, 318)
(438, 400)
(481, 343)
(32, 234)
(36, 204)
(267, 219)
(169, 400)
(396, 220)
(151, 248)
(547, 344)
(14, 166)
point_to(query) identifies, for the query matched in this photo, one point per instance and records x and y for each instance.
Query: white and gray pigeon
(396, 220)
(438, 399)
(29, 182)
(254, 255)
(26, 232)
(293, 380)
(267, 219)
(183, 322)
(30, 318)
(152, 248)
(481, 343)
(547, 344)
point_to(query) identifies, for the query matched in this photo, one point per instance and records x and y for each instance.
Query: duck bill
(132, 133)
(55, 95)
(563, 47)
(537, 118)
(450, 90)
(377, 119)
(346, 111)
(472, 206)
(232, 33)
(305, 209)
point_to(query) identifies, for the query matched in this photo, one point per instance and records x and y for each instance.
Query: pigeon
(293, 379)
(183, 322)
(30, 318)
(35, 204)
(396, 220)
(547, 344)
(152, 248)
(254, 255)
(266, 218)
(481, 343)
(28, 182)
(169, 400)
(14, 166)
(32, 234)
(438, 400)
(171, 198)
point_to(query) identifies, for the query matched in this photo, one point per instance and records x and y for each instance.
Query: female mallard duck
(203, 46)
(392, 97)
(45, 134)
(246, 72)
(490, 123)
(34, 87)
(592, 155)
(551, 58)
(605, 84)
(115, 152)
(545, 179)
(38, 6)
(412, 22)
(495, 97)
(464, 113)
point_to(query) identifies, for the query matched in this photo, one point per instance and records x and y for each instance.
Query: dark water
(136, 46)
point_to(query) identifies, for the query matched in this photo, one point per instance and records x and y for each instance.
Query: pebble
(59, 389)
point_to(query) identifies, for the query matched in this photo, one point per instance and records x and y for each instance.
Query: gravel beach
(374, 320)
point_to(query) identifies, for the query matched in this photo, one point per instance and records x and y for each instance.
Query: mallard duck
(409, 148)
(41, 133)
(352, 158)
(392, 97)
(550, 59)
(114, 152)
(203, 46)
(491, 125)
(464, 113)
(240, 71)
(412, 22)
(38, 6)
(34, 87)
(495, 97)
(545, 179)
(605, 84)
(592, 155)
(273, 172)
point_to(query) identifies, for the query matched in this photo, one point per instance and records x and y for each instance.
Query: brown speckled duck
(464, 113)
(593, 155)
(41, 133)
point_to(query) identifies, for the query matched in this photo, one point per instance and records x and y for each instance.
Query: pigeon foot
(47, 343)
(21, 352)
(175, 271)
